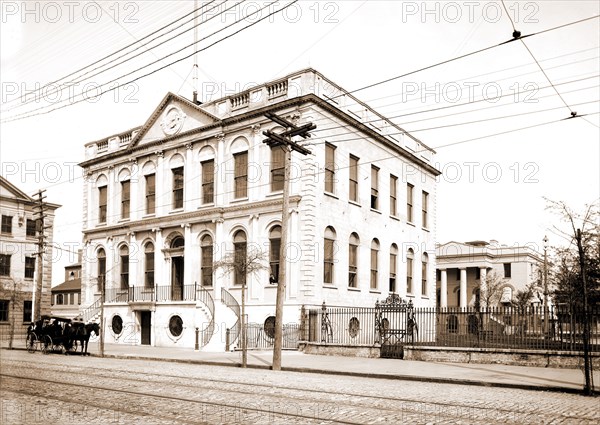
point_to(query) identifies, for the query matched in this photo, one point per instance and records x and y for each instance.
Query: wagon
(50, 334)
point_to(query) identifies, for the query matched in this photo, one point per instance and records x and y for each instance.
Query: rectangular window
(424, 279)
(150, 193)
(31, 228)
(29, 267)
(353, 181)
(374, 268)
(4, 264)
(102, 202)
(241, 174)
(409, 202)
(507, 270)
(3, 310)
(393, 260)
(149, 273)
(207, 265)
(393, 195)
(71, 298)
(277, 168)
(125, 199)
(27, 311)
(374, 187)
(409, 275)
(424, 208)
(177, 188)
(328, 261)
(7, 224)
(208, 181)
(329, 168)
(353, 265)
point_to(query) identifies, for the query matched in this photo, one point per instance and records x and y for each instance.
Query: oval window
(175, 325)
(117, 324)
(270, 326)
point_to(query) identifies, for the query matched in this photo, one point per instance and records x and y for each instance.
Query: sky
(510, 146)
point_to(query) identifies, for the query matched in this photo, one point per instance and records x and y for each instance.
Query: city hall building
(195, 184)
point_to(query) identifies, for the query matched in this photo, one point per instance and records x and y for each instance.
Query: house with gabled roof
(18, 258)
(165, 200)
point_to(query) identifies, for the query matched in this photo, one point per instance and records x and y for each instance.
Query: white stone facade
(181, 138)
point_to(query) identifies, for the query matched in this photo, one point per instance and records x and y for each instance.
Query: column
(161, 197)
(112, 214)
(218, 251)
(293, 255)
(483, 287)
(221, 173)
(134, 261)
(190, 180)
(255, 280)
(444, 288)
(190, 255)
(159, 262)
(135, 209)
(110, 265)
(463, 287)
(257, 184)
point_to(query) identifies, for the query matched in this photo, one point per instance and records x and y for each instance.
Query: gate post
(227, 331)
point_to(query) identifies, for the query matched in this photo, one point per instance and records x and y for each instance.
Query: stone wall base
(339, 350)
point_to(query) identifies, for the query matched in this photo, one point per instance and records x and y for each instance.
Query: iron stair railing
(231, 302)
(205, 298)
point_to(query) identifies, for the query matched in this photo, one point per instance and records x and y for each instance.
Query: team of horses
(62, 333)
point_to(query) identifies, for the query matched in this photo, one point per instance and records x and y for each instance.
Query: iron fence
(258, 337)
(531, 328)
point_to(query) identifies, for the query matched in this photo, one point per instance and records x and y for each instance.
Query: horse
(82, 333)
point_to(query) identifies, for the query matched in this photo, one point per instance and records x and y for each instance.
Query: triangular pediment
(174, 115)
(9, 190)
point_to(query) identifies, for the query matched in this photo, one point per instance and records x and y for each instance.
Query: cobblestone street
(56, 389)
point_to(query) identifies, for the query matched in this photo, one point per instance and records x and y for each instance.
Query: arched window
(410, 257)
(424, 274)
(274, 250)
(328, 255)
(124, 255)
(240, 249)
(149, 265)
(374, 262)
(206, 246)
(353, 260)
(101, 255)
(178, 242)
(393, 267)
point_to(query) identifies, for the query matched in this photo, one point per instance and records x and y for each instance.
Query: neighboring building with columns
(19, 259)
(462, 270)
(164, 200)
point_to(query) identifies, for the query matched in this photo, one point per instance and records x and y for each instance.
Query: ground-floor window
(176, 325)
(4, 310)
(27, 311)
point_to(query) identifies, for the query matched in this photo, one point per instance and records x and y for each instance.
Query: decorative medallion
(172, 121)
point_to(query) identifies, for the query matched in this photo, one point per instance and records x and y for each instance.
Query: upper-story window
(125, 198)
(277, 168)
(425, 208)
(240, 254)
(5, 264)
(206, 246)
(177, 187)
(241, 174)
(29, 267)
(353, 260)
(208, 181)
(124, 254)
(409, 202)
(393, 195)
(353, 179)
(7, 224)
(31, 227)
(410, 257)
(507, 270)
(150, 193)
(149, 265)
(374, 187)
(274, 253)
(102, 203)
(393, 267)
(374, 263)
(328, 255)
(329, 168)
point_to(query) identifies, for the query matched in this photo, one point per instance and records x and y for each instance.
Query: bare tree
(522, 298)
(243, 264)
(493, 293)
(12, 291)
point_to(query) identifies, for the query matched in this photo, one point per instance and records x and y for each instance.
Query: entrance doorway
(146, 321)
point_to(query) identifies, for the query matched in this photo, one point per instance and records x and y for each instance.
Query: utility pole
(586, 324)
(39, 212)
(285, 141)
(546, 295)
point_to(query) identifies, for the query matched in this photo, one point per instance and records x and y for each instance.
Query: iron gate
(395, 326)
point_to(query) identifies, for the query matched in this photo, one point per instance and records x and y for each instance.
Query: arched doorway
(177, 266)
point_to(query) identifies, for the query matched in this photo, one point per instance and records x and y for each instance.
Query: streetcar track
(172, 398)
(198, 384)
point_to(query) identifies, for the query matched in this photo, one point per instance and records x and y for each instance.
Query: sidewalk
(491, 375)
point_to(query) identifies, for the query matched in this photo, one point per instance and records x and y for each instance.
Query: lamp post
(546, 297)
